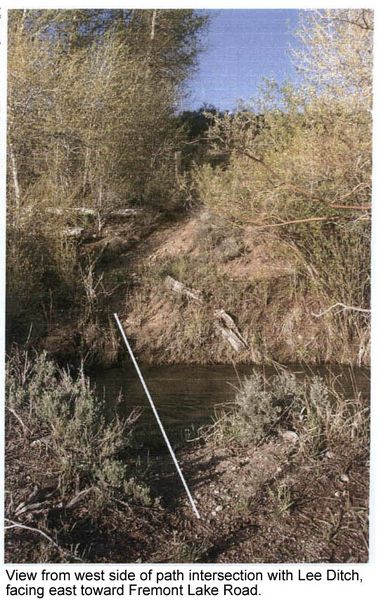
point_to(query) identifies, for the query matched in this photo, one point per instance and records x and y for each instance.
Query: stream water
(187, 397)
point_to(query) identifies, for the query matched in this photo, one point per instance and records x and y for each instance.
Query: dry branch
(306, 193)
(294, 222)
(343, 307)
(34, 507)
(15, 525)
(362, 207)
(78, 497)
(24, 427)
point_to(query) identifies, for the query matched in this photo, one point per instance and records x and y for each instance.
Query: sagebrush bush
(260, 405)
(312, 408)
(84, 442)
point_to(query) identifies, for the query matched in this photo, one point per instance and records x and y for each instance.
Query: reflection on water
(187, 396)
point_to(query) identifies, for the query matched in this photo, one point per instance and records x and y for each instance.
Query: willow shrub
(42, 274)
(303, 173)
(299, 160)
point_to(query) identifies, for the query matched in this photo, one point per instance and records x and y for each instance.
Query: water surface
(189, 396)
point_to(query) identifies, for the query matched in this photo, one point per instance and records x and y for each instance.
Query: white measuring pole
(156, 415)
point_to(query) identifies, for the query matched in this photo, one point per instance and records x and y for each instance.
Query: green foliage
(260, 405)
(84, 443)
(313, 409)
(196, 126)
(326, 418)
(42, 266)
(91, 122)
(185, 552)
(299, 164)
(335, 53)
(104, 85)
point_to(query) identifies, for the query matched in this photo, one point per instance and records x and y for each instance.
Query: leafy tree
(335, 56)
(302, 171)
(91, 104)
(196, 125)
(117, 72)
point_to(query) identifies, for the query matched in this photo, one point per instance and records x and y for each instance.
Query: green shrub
(84, 444)
(326, 418)
(260, 405)
(319, 415)
(42, 272)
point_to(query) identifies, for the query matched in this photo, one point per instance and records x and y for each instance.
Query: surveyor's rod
(156, 415)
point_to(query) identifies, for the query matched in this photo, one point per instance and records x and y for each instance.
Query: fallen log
(231, 337)
(91, 212)
(222, 321)
(179, 288)
(125, 212)
(229, 330)
(87, 212)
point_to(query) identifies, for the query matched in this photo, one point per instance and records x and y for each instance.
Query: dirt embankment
(256, 280)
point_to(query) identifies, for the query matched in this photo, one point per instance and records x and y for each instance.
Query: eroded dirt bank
(257, 281)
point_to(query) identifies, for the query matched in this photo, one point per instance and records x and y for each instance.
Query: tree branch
(366, 26)
(296, 221)
(306, 193)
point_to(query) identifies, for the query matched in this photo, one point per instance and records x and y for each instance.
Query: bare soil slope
(253, 277)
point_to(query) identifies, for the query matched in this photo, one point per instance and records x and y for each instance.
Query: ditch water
(188, 397)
